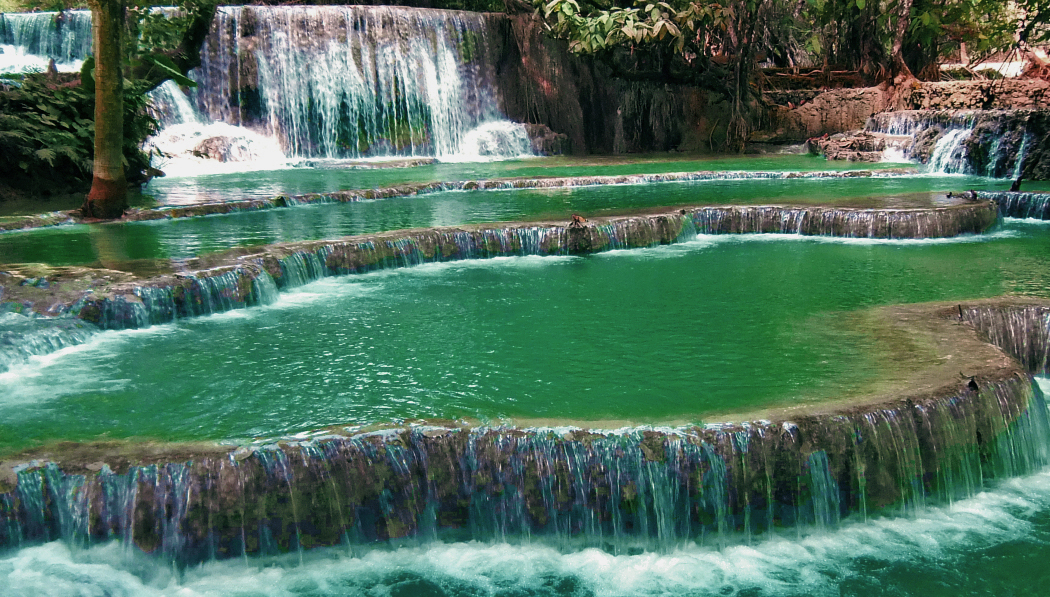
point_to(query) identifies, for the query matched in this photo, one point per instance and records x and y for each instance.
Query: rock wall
(1003, 94)
(540, 82)
(831, 112)
(844, 110)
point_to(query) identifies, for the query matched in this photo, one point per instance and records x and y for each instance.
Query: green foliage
(47, 132)
(937, 27)
(685, 25)
(852, 34)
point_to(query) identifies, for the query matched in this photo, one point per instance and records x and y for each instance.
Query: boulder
(223, 149)
(544, 141)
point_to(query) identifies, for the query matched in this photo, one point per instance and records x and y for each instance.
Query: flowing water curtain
(991, 143)
(345, 82)
(64, 37)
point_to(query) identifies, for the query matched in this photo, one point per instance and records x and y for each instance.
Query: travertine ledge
(971, 415)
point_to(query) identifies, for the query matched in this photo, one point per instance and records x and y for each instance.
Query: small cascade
(258, 278)
(983, 142)
(1022, 153)
(30, 40)
(949, 154)
(493, 140)
(1020, 205)
(851, 223)
(25, 336)
(823, 491)
(186, 296)
(300, 268)
(620, 492)
(1022, 332)
(353, 81)
(172, 107)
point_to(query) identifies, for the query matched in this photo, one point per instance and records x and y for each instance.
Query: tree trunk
(899, 68)
(109, 188)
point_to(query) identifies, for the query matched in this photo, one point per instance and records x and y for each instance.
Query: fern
(47, 155)
(47, 134)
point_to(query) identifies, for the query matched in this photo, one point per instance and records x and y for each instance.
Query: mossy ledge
(425, 188)
(248, 276)
(944, 438)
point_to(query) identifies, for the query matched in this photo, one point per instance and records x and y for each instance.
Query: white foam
(1026, 221)
(813, 564)
(71, 370)
(245, 150)
(895, 155)
(706, 241)
(15, 60)
(493, 141)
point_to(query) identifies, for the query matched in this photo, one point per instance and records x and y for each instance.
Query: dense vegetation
(47, 133)
(48, 121)
(718, 44)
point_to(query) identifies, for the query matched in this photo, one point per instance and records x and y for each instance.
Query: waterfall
(1021, 331)
(949, 155)
(324, 81)
(351, 81)
(982, 142)
(622, 491)
(172, 107)
(168, 299)
(30, 40)
(1020, 205)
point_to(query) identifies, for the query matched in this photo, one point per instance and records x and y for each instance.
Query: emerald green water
(112, 245)
(333, 177)
(676, 333)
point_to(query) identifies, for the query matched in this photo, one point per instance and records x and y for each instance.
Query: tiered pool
(710, 329)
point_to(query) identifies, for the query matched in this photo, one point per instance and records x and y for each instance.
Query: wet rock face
(796, 118)
(829, 113)
(996, 143)
(544, 141)
(922, 147)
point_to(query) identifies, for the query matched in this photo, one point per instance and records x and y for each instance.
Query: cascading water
(352, 81)
(28, 41)
(987, 143)
(378, 82)
(949, 154)
(621, 491)
(1021, 205)
(172, 107)
(25, 336)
